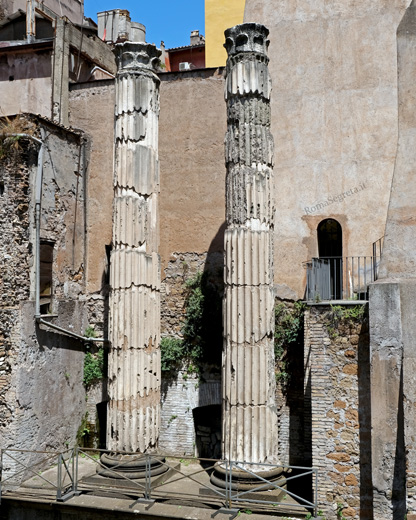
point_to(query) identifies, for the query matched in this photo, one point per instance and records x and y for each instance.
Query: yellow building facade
(219, 16)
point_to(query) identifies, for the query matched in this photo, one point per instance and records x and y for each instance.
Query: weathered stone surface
(134, 360)
(339, 413)
(249, 410)
(31, 355)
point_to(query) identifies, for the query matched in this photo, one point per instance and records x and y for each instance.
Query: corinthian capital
(135, 56)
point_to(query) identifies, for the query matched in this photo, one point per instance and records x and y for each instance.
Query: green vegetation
(83, 431)
(350, 313)
(347, 315)
(90, 332)
(93, 367)
(172, 353)
(287, 336)
(201, 329)
(340, 508)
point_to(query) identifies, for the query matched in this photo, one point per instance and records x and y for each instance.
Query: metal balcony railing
(340, 278)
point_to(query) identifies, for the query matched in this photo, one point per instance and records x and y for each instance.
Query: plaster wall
(219, 16)
(192, 170)
(399, 254)
(25, 82)
(334, 121)
(91, 107)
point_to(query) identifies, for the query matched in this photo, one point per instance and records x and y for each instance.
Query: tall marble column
(134, 359)
(249, 410)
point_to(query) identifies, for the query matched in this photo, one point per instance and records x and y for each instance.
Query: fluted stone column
(134, 359)
(249, 411)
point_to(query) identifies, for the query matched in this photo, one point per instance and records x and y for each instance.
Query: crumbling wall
(14, 281)
(337, 393)
(41, 371)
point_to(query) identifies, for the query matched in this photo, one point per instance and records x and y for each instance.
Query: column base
(131, 466)
(243, 481)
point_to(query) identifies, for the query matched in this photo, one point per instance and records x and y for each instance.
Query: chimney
(195, 38)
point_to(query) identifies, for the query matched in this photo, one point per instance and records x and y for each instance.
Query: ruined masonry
(134, 360)
(249, 411)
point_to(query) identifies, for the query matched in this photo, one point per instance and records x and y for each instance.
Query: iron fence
(340, 278)
(184, 479)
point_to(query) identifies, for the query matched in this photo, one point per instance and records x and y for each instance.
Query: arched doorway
(330, 258)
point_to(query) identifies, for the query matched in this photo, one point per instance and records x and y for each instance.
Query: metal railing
(340, 278)
(184, 479)
(16, 467)
(377, 250)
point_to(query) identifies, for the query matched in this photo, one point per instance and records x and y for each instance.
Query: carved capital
(246, 38)
(136, 56)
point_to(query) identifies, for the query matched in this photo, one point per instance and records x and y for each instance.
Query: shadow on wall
(299, 401)
(207, 419)
(364, 419)
(399, 477)
(213, 291)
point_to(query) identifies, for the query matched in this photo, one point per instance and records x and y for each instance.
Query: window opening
(46, 263)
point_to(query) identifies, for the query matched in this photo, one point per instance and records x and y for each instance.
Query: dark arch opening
(330, 255)
(329, 238)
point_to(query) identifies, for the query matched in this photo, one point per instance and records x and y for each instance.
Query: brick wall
(180, 396)
(337, 392)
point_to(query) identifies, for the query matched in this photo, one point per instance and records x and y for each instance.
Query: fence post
(228, 480)
(59, 478)
(75, 469)
(148, 483)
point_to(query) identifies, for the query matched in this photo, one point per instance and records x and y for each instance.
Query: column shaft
(134, 359)
(249, 411)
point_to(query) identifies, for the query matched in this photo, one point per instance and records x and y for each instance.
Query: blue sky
(169, 20)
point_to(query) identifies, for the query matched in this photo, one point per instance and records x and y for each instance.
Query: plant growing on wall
(287, 336)
(348, 315)
(201, 329)
(9, 141)
(93, 367)
(93, 362)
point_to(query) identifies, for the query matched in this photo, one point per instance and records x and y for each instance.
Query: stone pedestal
(134, 359)
(249, 411)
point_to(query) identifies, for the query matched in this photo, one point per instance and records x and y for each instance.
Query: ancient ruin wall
(337, 410)
(14, 281)
(29, 354)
